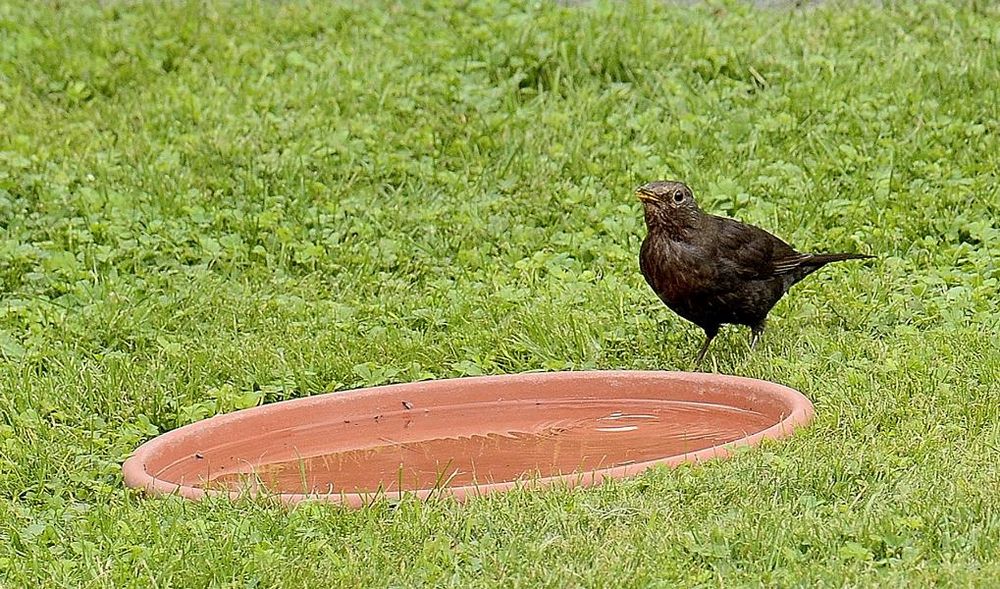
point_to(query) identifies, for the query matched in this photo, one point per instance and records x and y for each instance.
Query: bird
(714, 270)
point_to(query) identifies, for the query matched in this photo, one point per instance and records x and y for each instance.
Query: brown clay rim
(794, 409)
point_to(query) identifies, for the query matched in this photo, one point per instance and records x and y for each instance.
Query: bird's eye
(679, 196)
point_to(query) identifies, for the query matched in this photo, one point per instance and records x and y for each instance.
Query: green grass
(206, 206)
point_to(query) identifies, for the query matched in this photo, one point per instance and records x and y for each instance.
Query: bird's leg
(703, 351)
(709, 335)
(756, 332)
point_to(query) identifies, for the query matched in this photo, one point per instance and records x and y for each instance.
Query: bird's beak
(644, 195)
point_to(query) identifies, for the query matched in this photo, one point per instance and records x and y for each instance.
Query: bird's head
(669, 204)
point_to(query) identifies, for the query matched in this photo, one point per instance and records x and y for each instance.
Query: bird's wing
(789, 263)
(752, 252)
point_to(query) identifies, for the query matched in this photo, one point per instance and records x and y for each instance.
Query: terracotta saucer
(467, 436)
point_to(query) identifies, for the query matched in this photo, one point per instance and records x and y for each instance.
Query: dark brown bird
(711, 270)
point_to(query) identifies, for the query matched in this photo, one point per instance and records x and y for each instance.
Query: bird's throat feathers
(674, 222)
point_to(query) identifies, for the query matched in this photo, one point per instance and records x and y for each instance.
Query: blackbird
(712, 270)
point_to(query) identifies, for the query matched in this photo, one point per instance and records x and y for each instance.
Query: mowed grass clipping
(209, 206)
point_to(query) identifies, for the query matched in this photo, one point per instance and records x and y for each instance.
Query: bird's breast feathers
(675, 269)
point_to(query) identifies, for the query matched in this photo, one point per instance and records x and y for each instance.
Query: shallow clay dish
(466, 436)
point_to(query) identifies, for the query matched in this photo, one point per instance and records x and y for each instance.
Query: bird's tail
(821, 259)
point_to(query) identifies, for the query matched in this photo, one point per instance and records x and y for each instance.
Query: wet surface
(481, 443)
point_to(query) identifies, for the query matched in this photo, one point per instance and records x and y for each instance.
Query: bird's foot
(755, 335)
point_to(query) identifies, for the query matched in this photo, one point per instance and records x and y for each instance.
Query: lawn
(208, 206)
